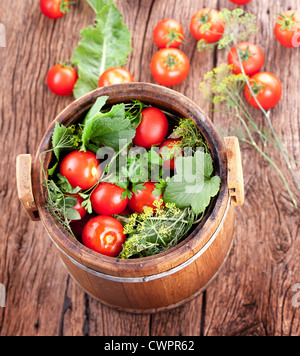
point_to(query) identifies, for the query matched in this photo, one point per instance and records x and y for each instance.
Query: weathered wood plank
(252, 295)
(30, 268)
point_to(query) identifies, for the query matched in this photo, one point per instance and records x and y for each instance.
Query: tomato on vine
(170, 66)
(251, 55)
(54, 9)
(267, 90)
(287, 29)
(207, 25)
(168, 33)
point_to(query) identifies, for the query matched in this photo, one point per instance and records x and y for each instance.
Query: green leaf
(136, 187)
(137, 168)
(175, 193)
(61, 139)
(160, 187)
(124, 185)
(72, 214)
(69, 201)
(87, 204)
(192, 185)
(97, 5)
(84, 196)
(65, 186)
(52, 170)
(106, 44)
(202, 199)
(107, 130)
(96, 108)
(154, 157)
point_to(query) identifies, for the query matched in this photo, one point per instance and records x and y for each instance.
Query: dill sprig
(156, 230)
(190, 136)
(221, 86)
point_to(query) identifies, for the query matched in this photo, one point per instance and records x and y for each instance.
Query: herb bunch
(156, 230)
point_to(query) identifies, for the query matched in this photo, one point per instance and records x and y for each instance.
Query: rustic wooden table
(253, 294)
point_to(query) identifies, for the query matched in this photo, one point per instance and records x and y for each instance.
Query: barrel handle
(235, 171)
(24, 186)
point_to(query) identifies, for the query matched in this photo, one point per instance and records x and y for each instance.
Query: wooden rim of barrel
(162, 98)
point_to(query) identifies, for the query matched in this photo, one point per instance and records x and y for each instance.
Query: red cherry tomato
(170, 67)
(287, 29)
(153, 129)
(105, 235)
(241, 2)
(82, 169)
(54, 9)
(168, 33)
(267, 89)
(170, 148)
(107, 199)
(252, 58)
(61, 80)
(214, 25)
(115, 75)
(143, 198)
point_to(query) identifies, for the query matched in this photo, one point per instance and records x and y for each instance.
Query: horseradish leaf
(104, 45)
(108, 129)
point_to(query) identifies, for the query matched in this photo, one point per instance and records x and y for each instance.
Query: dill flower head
(189, 134)
(221, 85)
(156, 230)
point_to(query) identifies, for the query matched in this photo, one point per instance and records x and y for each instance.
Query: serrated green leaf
(105, 45)
(60, 139)
(107, 129)
(153, 157)
(209, 190)
(107, 132)
(192, 185)
(87, 204)
(159, 188)
(175, 193)
(136, 187)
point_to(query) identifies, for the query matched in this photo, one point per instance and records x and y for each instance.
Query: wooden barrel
(155, 283)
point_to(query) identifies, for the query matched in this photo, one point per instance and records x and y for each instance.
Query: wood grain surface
(253, 293)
